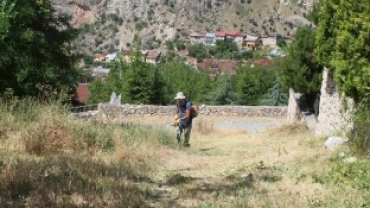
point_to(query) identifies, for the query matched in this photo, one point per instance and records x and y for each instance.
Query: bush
(88, 60)
(353, 175)
(360, 135)
(140, 25)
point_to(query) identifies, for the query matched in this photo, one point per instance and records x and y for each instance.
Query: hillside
(112, 25)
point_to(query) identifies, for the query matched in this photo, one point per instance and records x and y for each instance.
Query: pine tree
(222, 92)
(252, 83)
(275, 96)
(300, 69)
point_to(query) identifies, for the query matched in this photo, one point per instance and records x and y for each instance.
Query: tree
(100, 90)
(300, 69)
(313, 16)
(281, 42)
(226, 49)
(35, 55)
(139, 83)
(158, 88)
(222, 92)
(198, 51)
(252, 83)
(169, 45)
(275, 96)
(343, 45)
(179, 76)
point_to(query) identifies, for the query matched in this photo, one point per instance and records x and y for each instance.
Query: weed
(360, 135)
(203, 126)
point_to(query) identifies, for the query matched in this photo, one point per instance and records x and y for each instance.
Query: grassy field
(48, 159)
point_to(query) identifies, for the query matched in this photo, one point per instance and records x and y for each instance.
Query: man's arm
(187, 112)
(187, 115)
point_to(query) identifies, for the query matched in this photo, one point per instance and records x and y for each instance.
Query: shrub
(360, 135)
(140, 25)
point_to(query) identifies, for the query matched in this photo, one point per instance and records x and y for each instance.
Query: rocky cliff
(164, 19)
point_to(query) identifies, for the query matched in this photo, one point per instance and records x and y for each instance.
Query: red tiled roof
(153, 54)
(233, 33)
(220, 34)
(263, 62)
(206, 64)
(227, 66)
(82, 91)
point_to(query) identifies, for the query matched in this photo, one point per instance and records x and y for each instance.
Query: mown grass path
(232, 167)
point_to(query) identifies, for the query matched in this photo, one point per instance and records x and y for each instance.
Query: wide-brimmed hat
(180, 96)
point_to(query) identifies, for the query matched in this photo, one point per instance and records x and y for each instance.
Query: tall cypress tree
(343, 44)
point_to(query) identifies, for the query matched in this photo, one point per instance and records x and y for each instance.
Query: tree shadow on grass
(201, 189)
(69, 182)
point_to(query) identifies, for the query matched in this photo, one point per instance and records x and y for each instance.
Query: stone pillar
(293, 114)
(334, 116)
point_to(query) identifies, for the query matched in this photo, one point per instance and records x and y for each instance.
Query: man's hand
(176, 120)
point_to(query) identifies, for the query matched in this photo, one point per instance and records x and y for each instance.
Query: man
(183, 119)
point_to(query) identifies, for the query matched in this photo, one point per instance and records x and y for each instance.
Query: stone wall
(106, 110)
(334, 116)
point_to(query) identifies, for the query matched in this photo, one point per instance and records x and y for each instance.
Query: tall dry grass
(48, 159)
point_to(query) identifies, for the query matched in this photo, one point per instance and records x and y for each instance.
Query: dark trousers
(184, 130)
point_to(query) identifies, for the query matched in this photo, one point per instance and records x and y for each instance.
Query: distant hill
(113, 24)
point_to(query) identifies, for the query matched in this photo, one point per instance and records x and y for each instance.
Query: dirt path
(233, 166)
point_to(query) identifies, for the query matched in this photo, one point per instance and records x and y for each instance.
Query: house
(99, 72)
(210, 39)
(153, 56)
(197, 37)
(270, 42)
(110, 57)
(99, 57)
(236, 36)
(251, 42)
(125, 55)
(233, 34)
(220, 35)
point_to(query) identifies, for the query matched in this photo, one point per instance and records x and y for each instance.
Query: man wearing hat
(183, 118)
